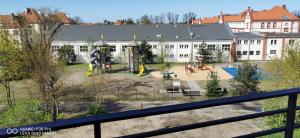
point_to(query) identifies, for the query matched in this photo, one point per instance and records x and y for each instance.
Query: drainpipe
(264, 50)
(249, 49)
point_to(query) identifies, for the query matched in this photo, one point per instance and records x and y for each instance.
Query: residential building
(7, 22)
(278, 19)
(264, 46)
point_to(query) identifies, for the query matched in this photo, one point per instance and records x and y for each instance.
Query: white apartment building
(264, 46)
(278, 20)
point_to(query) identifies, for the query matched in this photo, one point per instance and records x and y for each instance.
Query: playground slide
(142, 69)
(90, 71)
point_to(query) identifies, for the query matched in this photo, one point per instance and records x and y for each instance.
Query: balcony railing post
(97, 130)
(290, 121)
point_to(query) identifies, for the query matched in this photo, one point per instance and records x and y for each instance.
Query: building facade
(277, 20)
(176, 43)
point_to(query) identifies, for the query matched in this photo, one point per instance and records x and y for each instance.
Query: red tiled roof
(32, 16)
(63, 18)
(276, 13)
(8, 22)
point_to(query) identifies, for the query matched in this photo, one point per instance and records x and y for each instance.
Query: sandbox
(196, 74)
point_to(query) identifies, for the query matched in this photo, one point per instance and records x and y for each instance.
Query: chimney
(284, 7)
(12, 17)
(27, 10)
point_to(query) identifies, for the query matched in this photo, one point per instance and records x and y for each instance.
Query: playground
(195, 74)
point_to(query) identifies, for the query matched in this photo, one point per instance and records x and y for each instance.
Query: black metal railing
(97, 120)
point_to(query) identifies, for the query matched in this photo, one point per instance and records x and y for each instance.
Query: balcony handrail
(98, 119)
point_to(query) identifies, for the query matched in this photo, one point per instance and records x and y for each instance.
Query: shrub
(247, 79)
(94, 110)
(213, 87)
(24, 112)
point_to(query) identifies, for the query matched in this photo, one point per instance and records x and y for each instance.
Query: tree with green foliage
(247, 79)
(213, 86)
(285, 74)
(204, 52)
(145, 20)
(11, 63)
(219, 55)
(146, 53)
(129, 21)
(66, 54)
(37, 46)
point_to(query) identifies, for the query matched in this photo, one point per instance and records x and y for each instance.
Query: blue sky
(98, 10)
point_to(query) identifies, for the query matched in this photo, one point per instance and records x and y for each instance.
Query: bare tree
(36, 41)
(172, 17)
(188, 17)
(162, 18)
(77, 19)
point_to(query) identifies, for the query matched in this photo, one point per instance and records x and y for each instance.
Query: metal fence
(97, 120)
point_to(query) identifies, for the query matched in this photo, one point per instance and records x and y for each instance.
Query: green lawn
(281, 135)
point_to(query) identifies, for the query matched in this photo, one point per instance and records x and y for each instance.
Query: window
(211, 47)
(84, 49)
(195, 46)
(186, 55)
(252, 42)
(268, 25)
(167, 46)
(286, 24)
(186, 46)
(286, 29)
(245, 52)
(171, 46)
(247, 25)
(171, 55)
(251, 53)
(112, 48)
(272, 52)
(225, 47)
(181, 46)
(166, 55)
(245, 42)
(123, 48)
(273, 42)
(239, 41)
(15, 32)
(274, 25)
(154, 46)
(257, 52)
(181, 55)
(291, 42)
(258, 41)
(239, 53)
(262, 25)
(54, 48)
(95, 47)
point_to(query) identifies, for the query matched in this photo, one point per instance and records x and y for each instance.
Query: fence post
(154, 94)
(118, 93)
(97, 130)
(290, 121)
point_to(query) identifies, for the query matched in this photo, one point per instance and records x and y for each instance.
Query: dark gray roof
(179, 32)
(211, 32)
(248, 35)
(283, 35)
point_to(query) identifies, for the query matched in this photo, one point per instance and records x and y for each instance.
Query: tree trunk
(54, 110)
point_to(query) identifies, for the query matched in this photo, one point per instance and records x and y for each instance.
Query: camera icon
(12, 131)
